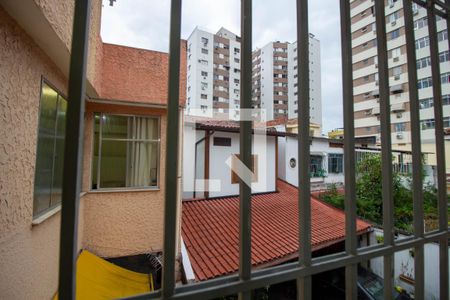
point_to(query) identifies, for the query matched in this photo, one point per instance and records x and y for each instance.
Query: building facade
(365, 76)
(275, 84)
(123, 170)
(213, 73)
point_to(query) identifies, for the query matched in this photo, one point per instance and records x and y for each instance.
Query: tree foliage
(369, 198)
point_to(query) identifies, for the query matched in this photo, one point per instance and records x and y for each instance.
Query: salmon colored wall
(132, 74)
(28, 253)
(60, 16)
(122, 223)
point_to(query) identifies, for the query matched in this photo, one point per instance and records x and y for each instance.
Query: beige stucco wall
(60, 16)
(110, 224)
(128, 222)
(28, 254)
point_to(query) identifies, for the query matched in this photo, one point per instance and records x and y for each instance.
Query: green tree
(369, 200)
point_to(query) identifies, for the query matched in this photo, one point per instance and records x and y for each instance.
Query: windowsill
(40, 219)
(125, 190)
(47, 215)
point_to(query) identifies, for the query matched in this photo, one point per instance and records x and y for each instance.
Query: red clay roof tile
(210, 230)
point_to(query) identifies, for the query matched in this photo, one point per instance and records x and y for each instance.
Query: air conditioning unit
(396, 59)
(396, 77)
(391, 4)
(393, 23)
(400, 135)
(415, 11)
(376, 65)
(376, 82)
(399, 115)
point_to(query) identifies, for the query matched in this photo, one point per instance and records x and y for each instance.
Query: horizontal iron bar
(229, 285)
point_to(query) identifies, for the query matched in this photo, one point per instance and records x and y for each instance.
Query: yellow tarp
(100, 279)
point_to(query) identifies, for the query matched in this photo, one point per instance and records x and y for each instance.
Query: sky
(145, 24)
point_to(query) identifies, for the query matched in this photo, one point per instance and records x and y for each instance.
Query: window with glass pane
(126, 152)
(335, 163)
(50, 151)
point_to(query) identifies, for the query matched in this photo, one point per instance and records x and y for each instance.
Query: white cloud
(145, 24)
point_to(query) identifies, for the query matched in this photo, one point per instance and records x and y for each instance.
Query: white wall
(194, 69)
(190, 136)
(315, 81)
(404, 263)
(267, 80)
(282, 158)
(219, 170)
(320, 146)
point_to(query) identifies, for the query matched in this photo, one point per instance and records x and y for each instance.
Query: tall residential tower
(365, 76)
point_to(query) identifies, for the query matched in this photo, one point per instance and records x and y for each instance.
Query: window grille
(247, 280)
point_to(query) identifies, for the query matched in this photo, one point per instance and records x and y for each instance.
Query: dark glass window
(50, 150)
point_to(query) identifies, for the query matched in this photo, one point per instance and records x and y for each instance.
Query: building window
(442, 35)
(427, 124)
(204, 73)
(420, 23)
(395, 34)
(204, 41)
(394, 16)
(445, 78)
(50, 151)
(126, 151)
(422, 42)
(397, 71)
(424, 83)
(222, 141)
(204, 51)
(335, 163)
(396, 52)
(400, 127)
(423, 62)
(203, 96)
(446, 122)
(315, 166)
(446, 99)
(426, 103)
(444, 56)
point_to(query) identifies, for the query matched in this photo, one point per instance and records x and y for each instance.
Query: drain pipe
(207, 135)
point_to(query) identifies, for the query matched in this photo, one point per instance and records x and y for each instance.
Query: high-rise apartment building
(275, 80)
(365, 76)
(213, 73)
(213, 77)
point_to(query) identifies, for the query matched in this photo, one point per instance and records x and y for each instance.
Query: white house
(208, 147)
(326, 165)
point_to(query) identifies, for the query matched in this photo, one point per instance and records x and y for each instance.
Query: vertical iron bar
(245, 146)
(386, 148)
(304, 200)
(416, 148)
(440, 149)
(73, 151)
(172, 136)
(349, 149)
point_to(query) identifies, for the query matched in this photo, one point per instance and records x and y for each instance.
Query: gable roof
(210, 230)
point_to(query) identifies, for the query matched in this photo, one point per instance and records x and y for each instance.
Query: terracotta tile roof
(211, 233)
(226, 125)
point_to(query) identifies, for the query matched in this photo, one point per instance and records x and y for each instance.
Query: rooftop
(210, 230)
